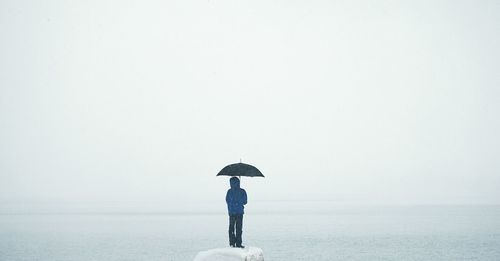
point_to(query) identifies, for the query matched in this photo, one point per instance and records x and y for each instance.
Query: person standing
(236, 198)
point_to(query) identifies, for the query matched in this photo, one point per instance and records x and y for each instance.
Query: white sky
(145, 101)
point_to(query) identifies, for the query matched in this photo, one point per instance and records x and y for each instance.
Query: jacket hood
(235, 182)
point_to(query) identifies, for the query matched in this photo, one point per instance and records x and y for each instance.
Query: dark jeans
(235, 229)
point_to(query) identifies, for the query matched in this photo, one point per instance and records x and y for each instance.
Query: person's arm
(228, 197)
(244, 197)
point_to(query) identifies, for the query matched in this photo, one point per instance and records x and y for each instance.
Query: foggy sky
(145, 101)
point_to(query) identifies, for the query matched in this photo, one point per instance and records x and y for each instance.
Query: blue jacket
(236, 197)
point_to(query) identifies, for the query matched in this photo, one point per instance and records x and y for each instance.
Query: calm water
(331, 233)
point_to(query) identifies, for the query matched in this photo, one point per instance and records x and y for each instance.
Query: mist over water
(146, 102)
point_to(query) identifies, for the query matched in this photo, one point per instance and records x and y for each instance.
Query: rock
(231, 254)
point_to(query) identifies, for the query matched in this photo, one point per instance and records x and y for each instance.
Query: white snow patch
(231, 254)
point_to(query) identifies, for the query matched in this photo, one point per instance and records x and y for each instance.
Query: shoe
(232, 245)
(240, 246)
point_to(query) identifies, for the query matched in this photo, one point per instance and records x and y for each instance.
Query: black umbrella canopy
(240, 169)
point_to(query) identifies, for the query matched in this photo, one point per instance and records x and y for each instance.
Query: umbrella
(240, 169)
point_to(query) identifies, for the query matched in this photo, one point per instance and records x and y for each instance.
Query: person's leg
(232, 236)
(239, 229)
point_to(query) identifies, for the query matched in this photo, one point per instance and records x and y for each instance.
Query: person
(236, 198)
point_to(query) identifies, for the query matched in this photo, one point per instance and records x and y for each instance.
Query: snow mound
(231, 254)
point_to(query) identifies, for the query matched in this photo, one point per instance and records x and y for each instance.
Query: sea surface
(317, 231)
